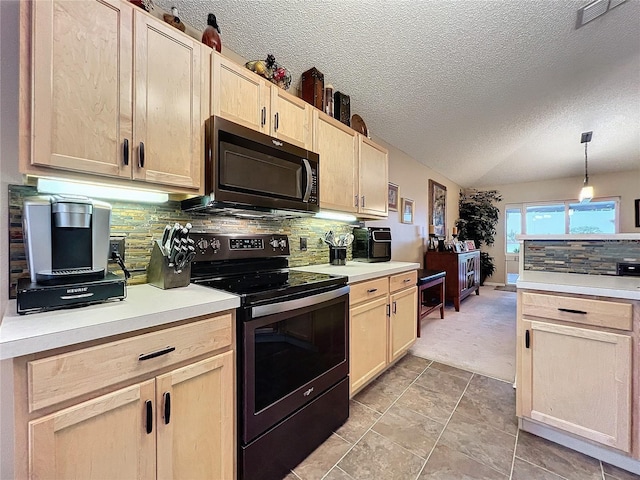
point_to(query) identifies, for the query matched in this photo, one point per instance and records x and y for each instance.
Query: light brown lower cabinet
(368, 342)
(402, 322)
(177, 421)
(383, 316)
(575, 370)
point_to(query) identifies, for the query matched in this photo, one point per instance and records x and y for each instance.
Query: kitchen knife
(181, 258)
(165, 239)
(172, 235)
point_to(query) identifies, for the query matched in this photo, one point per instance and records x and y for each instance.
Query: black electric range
(255, 267)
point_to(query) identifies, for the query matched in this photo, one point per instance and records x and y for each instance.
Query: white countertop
(600, 285)
(359, 271)
(145, 306)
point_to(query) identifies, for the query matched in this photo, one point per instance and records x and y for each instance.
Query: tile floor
(425, 420)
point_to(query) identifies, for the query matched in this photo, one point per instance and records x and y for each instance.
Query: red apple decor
(270, 70)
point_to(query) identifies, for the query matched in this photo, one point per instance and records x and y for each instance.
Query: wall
(625, 185)
(412, 178)
(9, 54)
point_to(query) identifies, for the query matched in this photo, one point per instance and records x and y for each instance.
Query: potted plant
(478, 220)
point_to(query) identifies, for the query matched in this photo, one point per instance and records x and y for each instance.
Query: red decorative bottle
(211, 34)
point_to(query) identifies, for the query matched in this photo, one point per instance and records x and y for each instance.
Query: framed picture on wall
(638, 212)
(393, 197)
(407, 210)
(438, 207)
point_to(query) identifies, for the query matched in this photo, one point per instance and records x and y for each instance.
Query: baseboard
(601, 453)
(493, 284)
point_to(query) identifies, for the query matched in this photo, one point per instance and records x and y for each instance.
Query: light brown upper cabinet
(373, 167)
(337, 146)
(353, 169)
(92, 112)
(243, 97)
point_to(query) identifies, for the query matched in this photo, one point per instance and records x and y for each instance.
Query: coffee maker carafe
(66, 238)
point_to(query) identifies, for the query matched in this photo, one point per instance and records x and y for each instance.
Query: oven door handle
(273, 308)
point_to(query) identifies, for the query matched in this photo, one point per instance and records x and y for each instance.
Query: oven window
(294, 351)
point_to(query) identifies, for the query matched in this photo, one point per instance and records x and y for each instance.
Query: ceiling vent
(595, 9)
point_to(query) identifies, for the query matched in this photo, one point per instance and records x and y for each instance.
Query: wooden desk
(430, 297)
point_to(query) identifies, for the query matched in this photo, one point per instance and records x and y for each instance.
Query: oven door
(291, 352)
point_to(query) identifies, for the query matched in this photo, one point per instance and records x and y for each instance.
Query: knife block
(162, 274)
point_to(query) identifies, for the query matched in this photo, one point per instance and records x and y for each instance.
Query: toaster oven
(372, 244)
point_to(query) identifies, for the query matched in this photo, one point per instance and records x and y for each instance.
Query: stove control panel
(222, 246)
(246, 244)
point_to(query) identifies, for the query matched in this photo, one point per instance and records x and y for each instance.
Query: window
(513, 227)
(559, 218)
(593, 217)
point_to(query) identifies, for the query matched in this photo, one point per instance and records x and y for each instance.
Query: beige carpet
(481, 337)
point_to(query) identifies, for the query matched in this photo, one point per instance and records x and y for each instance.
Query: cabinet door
(337, 146)
(82, 98)
(367, 341)
(167, 116)
(196, 440)
(102, 438)
(403, 322)
(581, 382)
(240, 95)
(373, 176)
(291, 118)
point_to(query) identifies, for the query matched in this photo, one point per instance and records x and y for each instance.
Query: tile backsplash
(141, 224)
(593, 257)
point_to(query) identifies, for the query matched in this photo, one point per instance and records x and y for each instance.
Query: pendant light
(586, 194)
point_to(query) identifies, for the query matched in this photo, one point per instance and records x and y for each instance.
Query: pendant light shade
(586, 193)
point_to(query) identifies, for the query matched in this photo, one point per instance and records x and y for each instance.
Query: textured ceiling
(485, 92)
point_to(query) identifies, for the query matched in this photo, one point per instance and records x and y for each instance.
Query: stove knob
(283, 243)
(215, 244)
(202, 244)
(274, 243)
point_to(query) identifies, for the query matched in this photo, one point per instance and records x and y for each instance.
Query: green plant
(478, 220)
(487, 267)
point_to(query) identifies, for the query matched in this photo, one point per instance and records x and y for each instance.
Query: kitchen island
(577, 337)
(383, 312)
(88, 392)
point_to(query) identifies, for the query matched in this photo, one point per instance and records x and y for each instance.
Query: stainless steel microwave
(247, 170)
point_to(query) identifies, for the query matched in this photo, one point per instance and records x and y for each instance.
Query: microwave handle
(307, 167)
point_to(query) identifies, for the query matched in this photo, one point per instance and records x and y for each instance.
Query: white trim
(584, 236)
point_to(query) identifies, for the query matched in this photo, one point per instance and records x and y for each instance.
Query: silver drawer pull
(570, 310)
(147, 356)
(371, 290)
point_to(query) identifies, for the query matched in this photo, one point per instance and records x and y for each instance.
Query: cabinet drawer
(368, 290)
(403, 280)
(68, 375)
(600, 313)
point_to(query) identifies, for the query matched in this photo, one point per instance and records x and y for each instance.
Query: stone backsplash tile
(141, 224)
(592, 257)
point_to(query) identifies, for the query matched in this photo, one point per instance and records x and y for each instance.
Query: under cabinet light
(343, 217)
(56, 186)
